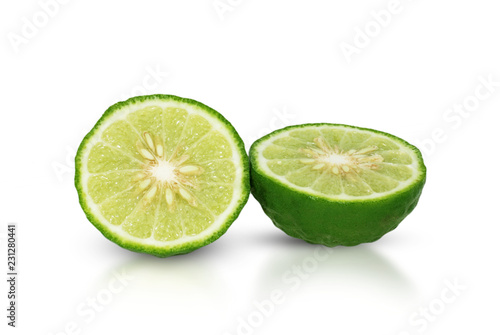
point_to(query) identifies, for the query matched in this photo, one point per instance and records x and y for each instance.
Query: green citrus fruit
(334, 184)
(162, 175)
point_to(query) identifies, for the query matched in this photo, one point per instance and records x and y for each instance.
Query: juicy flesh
(337, 161)
(161, 173)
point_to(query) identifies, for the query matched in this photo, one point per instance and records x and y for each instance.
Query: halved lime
(334, 184)
(162, 175)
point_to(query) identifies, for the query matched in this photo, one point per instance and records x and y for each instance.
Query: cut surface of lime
(162, 175)
(336, 184)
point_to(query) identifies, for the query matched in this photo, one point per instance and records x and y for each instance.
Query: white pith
(336, 159)
(324, 157)
(163, 171)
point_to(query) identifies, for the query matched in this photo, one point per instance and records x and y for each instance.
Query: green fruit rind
(168, 249)
(320, 219)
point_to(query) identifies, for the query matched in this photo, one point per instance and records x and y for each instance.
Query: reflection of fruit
(334, 184)
(162, 175)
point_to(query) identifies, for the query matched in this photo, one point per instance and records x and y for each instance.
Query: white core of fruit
(164, 172)
(170, 175)
(335, 159)
(339, 162)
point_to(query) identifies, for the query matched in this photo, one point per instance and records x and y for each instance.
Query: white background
(263, 65)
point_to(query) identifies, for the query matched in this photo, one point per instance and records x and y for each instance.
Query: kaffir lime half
(334, 184)
(162, 175)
